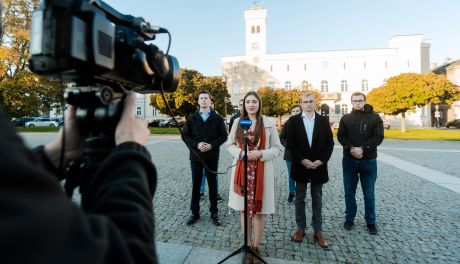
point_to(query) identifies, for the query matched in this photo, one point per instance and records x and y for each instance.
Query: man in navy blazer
(310, 142)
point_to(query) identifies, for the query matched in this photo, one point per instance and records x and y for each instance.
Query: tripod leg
(238, 251)
(255, 255)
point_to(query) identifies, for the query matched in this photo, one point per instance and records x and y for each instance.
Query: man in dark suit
(204, 132)
(310, 142)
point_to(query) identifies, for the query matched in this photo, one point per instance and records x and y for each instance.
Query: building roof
(442, 69)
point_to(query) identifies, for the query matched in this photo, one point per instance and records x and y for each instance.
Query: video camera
(102, 54)
(89, 43)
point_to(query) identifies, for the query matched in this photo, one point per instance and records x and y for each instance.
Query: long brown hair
(259, 119)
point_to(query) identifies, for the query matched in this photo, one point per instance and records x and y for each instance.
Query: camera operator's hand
(131, 128)
(73, 141)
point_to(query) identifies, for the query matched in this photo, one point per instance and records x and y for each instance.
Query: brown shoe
(319, 238)
(254, 259)
(248, 259)
(298, 235)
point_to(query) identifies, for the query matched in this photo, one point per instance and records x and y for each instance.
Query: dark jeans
(197, 174)
(291, 182)
(353, 171)
(316, 205)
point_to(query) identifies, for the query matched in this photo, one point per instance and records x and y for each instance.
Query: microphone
(245, 123)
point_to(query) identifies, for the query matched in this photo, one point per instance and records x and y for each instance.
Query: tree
(21, 91)
(407, 91)
(278, 102)
(184, 100)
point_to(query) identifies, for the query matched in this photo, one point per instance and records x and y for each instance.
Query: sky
(203, 31)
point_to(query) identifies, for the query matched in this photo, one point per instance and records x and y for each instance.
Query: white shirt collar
(304, 115)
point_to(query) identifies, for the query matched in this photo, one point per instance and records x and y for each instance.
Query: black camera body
(88, 43)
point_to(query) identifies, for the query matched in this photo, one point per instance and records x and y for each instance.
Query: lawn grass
(37, 129)
(164, 130)
(424, 134)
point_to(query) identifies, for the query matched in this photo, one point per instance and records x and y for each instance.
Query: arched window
(253, 29)
(287, 85)
(324, 86)
(258, 29)
(344, 109)
(364, 85)
(344, 86)
(236, 88)
(304, 85)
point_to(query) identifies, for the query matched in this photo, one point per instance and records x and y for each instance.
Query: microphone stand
(245, 248)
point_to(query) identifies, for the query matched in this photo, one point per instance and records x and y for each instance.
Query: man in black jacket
(360, 132)
(203, 133)
(39, 224)
(295, 110)
(236, 115)
(309, 140)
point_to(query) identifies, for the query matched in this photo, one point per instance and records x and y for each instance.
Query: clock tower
(256, 33)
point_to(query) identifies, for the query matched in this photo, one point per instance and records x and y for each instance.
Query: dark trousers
(197, 174)
(316, 205)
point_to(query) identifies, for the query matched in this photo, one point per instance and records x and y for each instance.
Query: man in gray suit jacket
(310, 142)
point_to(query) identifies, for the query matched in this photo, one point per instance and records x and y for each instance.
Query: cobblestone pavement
(419, 222)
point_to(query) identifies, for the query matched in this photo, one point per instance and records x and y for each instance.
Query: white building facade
(337, 74)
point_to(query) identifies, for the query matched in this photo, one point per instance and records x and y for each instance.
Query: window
(258, 29)
(271, 68)
(344, 66)
(139, 111)
(287, 85)
(305, 67)
(324, 86)
(364, 85)
(365, 65)
(344, 109)
(305, 85)
(408, 63)
(154, 112)
(253, 29)
(337, 109)
(255, 68)
(386, 64)
(344, 86)
(236, 88)
(287, 67)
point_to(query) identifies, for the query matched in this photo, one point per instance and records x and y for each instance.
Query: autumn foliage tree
(184, 100)
(407, 91)
(277, 102)
(22, 92)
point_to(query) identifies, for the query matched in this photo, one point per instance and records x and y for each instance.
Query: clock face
(255, 45)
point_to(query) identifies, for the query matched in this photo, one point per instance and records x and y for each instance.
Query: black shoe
(193, 219)
(219, 199)
(291, 198)
(201, 196)
(372, 228)
(215, 219)
(348, 225)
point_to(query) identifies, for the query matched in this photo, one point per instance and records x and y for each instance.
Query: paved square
(419, 221)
